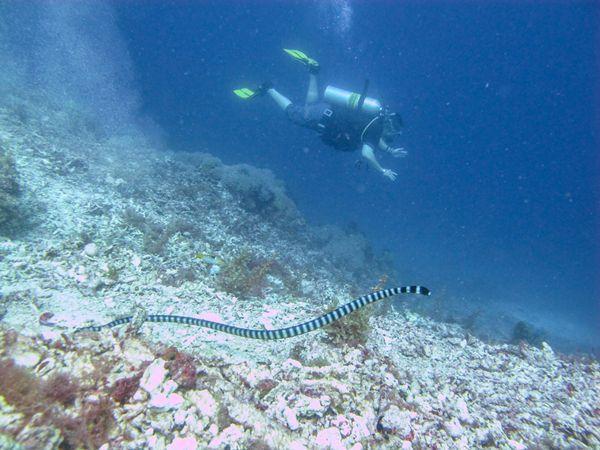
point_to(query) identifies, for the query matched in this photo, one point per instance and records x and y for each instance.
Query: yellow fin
(244, 93)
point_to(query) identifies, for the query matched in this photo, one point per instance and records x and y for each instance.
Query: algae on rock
(247, 274)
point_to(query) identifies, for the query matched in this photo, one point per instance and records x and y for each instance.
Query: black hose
(363, 95)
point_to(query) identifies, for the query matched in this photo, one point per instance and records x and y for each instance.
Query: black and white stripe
(280, 333)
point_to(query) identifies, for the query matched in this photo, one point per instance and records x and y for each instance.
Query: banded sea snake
(280, 333)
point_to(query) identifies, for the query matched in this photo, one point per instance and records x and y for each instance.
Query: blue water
(498, 199)
(496, 205)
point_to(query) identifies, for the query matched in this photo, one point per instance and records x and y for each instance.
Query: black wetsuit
(340, 130)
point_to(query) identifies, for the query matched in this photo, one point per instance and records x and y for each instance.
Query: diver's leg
(280, 99)
(312, 96)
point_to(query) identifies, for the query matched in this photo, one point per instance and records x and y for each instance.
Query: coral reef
(247, 275)
(526, 332)
(243, 275)
(347, 248)
(259, 192)
(353, 330)
(155, 236)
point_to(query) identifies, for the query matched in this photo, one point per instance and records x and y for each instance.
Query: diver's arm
(369, 155)
(397, 152)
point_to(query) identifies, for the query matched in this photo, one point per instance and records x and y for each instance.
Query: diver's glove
(397, 152)
(389, 174)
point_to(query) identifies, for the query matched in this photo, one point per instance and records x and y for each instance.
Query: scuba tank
(352, 101)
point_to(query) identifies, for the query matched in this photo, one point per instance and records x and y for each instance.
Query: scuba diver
(345, 120)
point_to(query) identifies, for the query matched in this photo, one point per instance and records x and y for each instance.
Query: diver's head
(392, 124)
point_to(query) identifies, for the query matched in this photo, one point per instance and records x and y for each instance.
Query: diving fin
(313, 65)
(245, 93)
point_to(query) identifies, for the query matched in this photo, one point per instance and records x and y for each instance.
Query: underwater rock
(396, 421)
(454, 429)
(166, 401)
(247, 417)
(343, 424)
(252, 376)
(286, 415)
(311, 407)
(515, 445)
(38, 437)
(290, 366)
(360, 427)
(329, 438)
(153, 441)
(26, 358)
(136, 261)
(227, 437)
(307, 288)
(9, 418)
(90, 250)
(204, 402)
(194, 424)
(297, 444)
(160, 420)
(463, 411)
(8, 442)
(3, 307)
(162, 395)
(548, 352)
(153, 376)
(9, 187)
(136, 352)
(187, 443)
(180, 416)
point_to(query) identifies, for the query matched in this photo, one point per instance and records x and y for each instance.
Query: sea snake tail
(280, 333)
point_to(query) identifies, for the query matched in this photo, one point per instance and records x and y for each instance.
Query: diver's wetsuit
(308, 116)
(338, 130)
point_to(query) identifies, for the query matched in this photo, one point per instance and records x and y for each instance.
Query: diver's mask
(392, 124)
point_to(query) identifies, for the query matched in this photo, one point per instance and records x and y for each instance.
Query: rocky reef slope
(96, 227)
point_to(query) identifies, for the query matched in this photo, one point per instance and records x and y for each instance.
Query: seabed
(95, 227)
